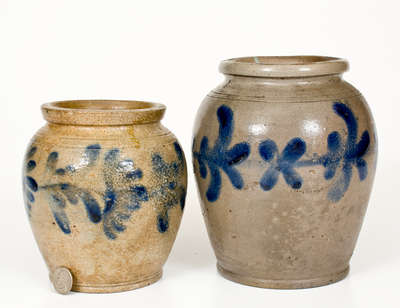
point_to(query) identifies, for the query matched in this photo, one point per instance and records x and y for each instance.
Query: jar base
(117, 287)
(284, 284)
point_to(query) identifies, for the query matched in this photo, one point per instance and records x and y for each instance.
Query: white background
(169, 51)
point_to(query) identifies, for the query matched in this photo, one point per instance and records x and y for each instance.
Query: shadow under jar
(104, 187)
(284, 155)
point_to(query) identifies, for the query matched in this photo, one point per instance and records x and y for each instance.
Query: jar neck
(102, 112)
(282, 67)
(273, 81)
(285, 90)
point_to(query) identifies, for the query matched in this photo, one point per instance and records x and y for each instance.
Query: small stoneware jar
(105, 187)
(284, 155)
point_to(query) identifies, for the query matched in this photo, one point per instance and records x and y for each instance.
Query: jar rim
(284, 66)
(102, 112)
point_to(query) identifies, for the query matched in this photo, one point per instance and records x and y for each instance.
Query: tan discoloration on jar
(124, 136)
(284, 237)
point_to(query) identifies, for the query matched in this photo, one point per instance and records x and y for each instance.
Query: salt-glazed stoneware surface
(105, 187)
(284, 155)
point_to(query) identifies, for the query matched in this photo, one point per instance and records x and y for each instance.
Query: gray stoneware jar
(284, 155)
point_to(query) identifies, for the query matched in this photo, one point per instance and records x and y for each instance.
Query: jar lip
(102, 112)
(284, 66)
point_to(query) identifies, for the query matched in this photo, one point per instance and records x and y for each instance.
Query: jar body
(284, 169)
(105, 201)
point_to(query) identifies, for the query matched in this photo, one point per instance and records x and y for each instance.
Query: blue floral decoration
(284, 163)
(58, 194)
(122, 195)
(221, 156)
(339, 153)
(30, 185)
(118, 203)
(350, 153)
(170, 192)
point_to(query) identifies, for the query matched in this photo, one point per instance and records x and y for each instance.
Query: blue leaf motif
(340, 153)
(351, 153)
(221, 156)
(120, 203)
(169, 192)
(58, 195)
(122, 195)
(30, 185)
(282, 163)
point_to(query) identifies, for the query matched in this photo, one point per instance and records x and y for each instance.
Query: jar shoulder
(259, 119)
(284, 90)
(314, 123)
(64, 150)
(135, 136)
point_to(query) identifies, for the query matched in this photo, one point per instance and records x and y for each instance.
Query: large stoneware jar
(284, 156)
(105, 187)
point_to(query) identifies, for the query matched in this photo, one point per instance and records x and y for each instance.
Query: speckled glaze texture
(105, 187)
(284, 155)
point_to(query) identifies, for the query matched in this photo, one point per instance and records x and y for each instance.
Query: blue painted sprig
(221, 156)
(339, 153)
(169, 193)
(58, 194)
(349, 153)
(122, 195)
(120, 203)
(284, 163)
(30, 185)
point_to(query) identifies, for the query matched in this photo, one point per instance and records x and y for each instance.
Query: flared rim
(284, 66)
(102, 112)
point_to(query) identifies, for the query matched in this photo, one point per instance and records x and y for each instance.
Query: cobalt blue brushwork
(120, 203)
(346, 154)
(169, 193)
(284, 163)
(122, 195)
(220, 156)
(58, 194)
(30, 185)
(350, 152)
(341, 155)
